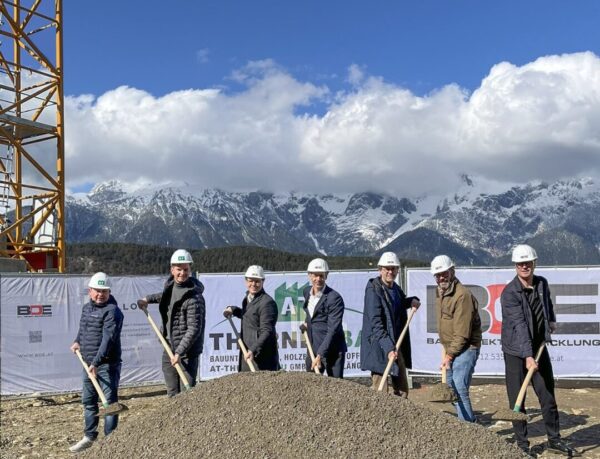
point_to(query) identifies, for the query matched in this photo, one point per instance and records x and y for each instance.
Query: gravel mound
(288, 415)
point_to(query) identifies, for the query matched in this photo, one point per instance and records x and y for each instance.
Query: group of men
(528, 320)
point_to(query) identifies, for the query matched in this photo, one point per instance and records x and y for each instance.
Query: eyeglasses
(442, 275)
(525, 264)
(253, 281)
(389, 268)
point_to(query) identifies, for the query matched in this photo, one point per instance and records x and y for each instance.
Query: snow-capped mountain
(477, 224)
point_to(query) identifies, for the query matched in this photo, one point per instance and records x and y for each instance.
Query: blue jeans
(459, 378)
(108, 376)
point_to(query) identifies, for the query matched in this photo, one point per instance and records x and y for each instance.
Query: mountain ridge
(478, 224)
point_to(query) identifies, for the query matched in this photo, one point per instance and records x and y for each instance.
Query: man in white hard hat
(528, 319)
(384, 318)
(324, 308)
(99, 341)
(182, 311)
(459, 329)
(259, 316)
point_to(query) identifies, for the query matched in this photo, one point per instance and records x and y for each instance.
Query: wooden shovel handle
(388, 367)
(310, 351)
(444, 378)
(163, 341)
(93, 379)
(528, 377)
(241, 345)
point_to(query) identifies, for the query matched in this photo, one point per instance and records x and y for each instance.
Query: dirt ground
(45, 426)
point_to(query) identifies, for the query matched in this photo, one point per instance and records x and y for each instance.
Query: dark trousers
(333, 365)
(399, 383)
(189, 365)
(543, 385)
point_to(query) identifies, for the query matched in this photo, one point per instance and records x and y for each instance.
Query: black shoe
(527, 451)
(562, 447)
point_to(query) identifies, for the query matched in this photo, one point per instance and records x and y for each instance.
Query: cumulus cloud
(537, 121)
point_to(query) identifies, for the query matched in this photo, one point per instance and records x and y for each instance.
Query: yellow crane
(32, 180)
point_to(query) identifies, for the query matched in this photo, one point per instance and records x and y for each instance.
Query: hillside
(123, 259)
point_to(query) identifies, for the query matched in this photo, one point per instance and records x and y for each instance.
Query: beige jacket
(459, 324)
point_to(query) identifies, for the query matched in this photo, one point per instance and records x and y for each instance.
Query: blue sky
(422, 45)
(318, 88)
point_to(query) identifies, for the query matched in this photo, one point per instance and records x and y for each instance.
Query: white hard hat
(318, 265)
(181, 257)
(99, 281)
(523, 252)
(441, 263)
(255, 272)
(389, 259)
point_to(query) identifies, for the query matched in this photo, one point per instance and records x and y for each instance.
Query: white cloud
(202, 55)
(356, 74)
(537, 121)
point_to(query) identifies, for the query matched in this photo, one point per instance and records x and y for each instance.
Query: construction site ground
(45, 426)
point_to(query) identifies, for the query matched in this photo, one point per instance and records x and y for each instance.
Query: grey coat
(259, 318)
(186, 335)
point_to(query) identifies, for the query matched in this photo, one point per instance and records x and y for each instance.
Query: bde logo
(563, 297)
(34, 310)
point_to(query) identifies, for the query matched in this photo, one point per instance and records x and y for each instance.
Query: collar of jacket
(308, 291)
(535, 283)
(258, 294)
(450, 290)
(381, 291)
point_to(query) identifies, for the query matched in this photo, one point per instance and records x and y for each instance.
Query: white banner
(576, 343)
(39, 321)
(220, 355)
(39, 316)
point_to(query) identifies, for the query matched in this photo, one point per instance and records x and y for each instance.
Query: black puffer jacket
(187, 317)
(99, 334)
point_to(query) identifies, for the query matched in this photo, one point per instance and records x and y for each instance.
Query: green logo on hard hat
(181, 258)
(100, 282)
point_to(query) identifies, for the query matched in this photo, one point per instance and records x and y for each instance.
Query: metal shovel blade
(112, 409)
(441, 393)
(509, 415)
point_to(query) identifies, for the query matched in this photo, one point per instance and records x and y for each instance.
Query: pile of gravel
(285, 415)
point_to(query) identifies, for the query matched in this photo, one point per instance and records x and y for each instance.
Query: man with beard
(384, 317)
(182, 311)
(459, 329)
(259, 316)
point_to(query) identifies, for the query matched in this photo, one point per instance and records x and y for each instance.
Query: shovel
(184, 379)
(398, 343)
(515, 414)
(108, 409)
(241, 344)
(309, 347)
(441, 392)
